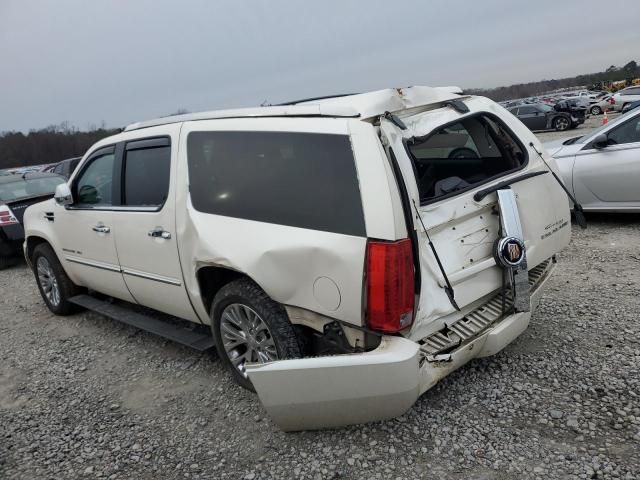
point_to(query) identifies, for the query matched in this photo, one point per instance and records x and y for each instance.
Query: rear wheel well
(211, 279)
(32, 243)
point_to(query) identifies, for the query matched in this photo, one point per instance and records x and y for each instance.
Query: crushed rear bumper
(334, 391)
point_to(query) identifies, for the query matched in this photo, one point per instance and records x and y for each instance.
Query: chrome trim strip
(511, 232)
(150, 276)
(91, 263)
(111, 208)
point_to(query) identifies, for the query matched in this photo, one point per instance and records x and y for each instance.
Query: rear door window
(461, 155)
(305, 180)
(526, 110)
(146, 167)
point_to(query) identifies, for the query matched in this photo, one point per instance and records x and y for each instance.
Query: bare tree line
(593, 80)
(58, 142)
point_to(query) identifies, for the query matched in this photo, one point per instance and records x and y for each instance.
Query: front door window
(628, 132)
(95, 184)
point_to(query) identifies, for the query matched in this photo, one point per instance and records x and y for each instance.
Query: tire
(596, 110)
(269, 337)
(561, 124)
(51, 277)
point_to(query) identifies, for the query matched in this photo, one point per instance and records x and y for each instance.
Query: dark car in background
(543, 117)
(64, 167)
(17, 192)
(575, 108)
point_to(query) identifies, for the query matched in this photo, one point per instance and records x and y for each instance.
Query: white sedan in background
(602, 168)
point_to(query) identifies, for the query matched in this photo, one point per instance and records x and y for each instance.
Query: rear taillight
(6, 216)
(390, 285)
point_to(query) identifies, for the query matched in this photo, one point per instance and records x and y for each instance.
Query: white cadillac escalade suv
(346, 252)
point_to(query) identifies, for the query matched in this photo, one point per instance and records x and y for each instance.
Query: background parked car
(17, 192)
(64, 167)
(604, 103)
(543, 117)
(578, 100)
(577, 110)
(624, 96)
(602, 168)
(630, 106)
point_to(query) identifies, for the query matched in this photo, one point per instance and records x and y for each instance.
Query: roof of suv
(361, 105)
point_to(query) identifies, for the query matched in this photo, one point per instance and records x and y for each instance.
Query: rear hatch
(445, 157)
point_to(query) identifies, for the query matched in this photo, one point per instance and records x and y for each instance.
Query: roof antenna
(265, 103)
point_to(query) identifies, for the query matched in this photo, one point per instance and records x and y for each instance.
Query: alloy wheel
(246, 337)
(48, 281)
(562, 123)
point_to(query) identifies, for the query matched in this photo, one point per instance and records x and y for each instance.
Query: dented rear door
(464, 231)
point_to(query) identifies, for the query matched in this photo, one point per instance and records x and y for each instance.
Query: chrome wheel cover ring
(48, 281)
(246, 337)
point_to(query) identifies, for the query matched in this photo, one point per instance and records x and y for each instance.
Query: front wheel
(249, 327)
(55, 286)
(561, 124)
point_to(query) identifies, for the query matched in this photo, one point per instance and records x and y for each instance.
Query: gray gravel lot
(590, 124)
(85, 397)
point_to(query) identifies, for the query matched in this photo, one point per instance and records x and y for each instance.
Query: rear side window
(59, 169)
(305, 180)
(461, 155)
(146, 176)
(526, 110)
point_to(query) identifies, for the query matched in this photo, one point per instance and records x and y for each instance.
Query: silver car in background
(602, 169)
(625, 96)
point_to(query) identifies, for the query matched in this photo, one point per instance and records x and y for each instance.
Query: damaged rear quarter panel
(285, 261)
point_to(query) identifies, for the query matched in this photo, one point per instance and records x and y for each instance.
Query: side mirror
(601, 141)
(63, 195)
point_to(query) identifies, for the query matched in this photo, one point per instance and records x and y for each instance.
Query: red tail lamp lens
(390, 285)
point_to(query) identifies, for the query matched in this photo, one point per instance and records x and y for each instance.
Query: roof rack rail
(325, 97)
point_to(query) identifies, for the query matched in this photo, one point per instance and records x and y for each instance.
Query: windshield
(545, 108)
(29, 187)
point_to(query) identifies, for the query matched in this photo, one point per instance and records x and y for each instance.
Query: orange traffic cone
(605, 119)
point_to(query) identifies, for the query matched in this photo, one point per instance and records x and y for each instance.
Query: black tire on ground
(66, 287)
(246, 293)
(561, 124)
(596, 110)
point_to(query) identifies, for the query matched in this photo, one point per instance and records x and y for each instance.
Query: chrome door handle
(101, 229)
(159, 233)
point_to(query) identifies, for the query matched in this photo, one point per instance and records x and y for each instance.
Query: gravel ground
(590, 124)
(85, 397)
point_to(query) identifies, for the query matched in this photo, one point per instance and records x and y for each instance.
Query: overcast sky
(122, 61)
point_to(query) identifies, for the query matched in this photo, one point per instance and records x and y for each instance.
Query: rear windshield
(29, 187)
(305, 180)
(461, 155)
